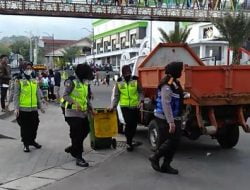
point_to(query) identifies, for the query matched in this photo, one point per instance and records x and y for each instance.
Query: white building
(205, 40)
(116, 41)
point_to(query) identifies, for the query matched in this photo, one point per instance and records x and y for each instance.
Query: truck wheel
(228, 136)
(154, 135)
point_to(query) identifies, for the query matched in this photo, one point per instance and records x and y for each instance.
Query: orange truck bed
(207, 85)
(218, 85)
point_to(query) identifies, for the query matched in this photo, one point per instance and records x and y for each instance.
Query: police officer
(128, 94)
(27, 101)
(77, 107)
(168, 113)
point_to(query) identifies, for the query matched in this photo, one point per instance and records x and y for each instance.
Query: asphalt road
(202, 165)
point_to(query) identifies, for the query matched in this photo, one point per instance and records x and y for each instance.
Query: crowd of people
(29, 90)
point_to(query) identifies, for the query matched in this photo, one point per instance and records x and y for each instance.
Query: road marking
(54, 173)
(27, 183)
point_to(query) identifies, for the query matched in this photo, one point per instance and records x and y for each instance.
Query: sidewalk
(24, 171)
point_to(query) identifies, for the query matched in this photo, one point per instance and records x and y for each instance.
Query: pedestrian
(27, 101)
(107, 78)
(44, 85)
(77, 108)
(5, 76)
(168, 114)
(57, 84)
(97, 78)
(51, 84)
(128, 93)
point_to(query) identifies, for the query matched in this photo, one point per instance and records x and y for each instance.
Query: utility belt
(178, 118)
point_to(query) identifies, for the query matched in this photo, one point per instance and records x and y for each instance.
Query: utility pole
(53, 48)
(36, 51)
(93, 42)
(30, 50)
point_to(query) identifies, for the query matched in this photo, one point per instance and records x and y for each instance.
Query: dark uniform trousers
(3, 96)
(79, 130)
(169, 142)
(28, 122)
(130, 116)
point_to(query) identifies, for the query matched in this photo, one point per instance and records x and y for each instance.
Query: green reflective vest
(79, 95)
(129, 96)
(28, 93)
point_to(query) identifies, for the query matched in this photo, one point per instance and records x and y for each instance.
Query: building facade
(207, 43)
(56, 54)
(120, 40)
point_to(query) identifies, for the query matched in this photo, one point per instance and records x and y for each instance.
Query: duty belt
(178, 118)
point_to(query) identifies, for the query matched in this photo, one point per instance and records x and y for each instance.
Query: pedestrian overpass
(170, 10)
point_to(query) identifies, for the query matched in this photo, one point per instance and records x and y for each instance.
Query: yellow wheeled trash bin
(103, 127)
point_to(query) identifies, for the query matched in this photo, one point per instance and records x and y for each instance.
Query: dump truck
(217, 101)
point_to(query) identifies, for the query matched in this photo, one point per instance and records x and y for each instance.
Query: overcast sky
(62, 28)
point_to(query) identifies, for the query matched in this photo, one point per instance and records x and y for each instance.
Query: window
(113, 44)
(214, 51)
(208, 32)
(106, 44)
(98, 47)
(133, 40)
(123, 42)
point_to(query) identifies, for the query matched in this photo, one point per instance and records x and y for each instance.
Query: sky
(62, 28)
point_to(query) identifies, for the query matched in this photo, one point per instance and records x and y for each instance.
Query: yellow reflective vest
(28, 93)
(79, 95)
(129, 96)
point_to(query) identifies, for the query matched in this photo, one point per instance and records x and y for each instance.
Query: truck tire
(154, 136)
(228, 136)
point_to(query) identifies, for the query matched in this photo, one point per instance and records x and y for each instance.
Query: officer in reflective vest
(27, 101)
(168, 114)
(77, 106)
(128, 93)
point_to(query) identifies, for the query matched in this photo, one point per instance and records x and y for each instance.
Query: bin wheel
(154, 135)
(114, 143)
(228, 136)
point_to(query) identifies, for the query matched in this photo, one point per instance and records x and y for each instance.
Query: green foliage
(176, 36)
(235, 30)
(71, 53)
(41, 55)
(59, 63)
(4, 49)
(21, 47)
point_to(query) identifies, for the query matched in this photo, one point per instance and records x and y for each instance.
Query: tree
(21, 47)
(40, 56)
(59, 63)
(176, 36)
(69, 54)
(4, 49)
(235, 30)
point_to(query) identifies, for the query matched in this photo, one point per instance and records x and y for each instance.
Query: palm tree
(176, 36)
(69, 54)
(235, 30)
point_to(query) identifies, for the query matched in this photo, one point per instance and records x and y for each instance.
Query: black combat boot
(36, 145)
(154, 159)
(26, 148)
(166, 168)
(81, 162)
